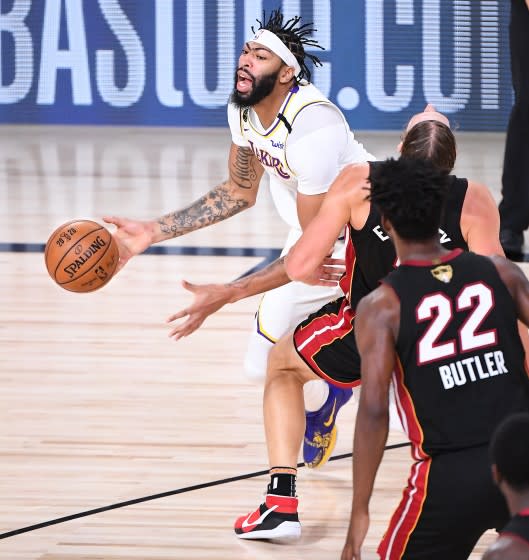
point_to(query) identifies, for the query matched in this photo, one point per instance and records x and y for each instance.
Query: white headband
(273, 42)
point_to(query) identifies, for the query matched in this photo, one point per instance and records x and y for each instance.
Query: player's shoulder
(310, 101)
(317, 115)
(506, 269)
(355, 172)
(352, 182)
(478, 199)
(507, 547)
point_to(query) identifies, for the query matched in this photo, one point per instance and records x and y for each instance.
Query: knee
(281, 360)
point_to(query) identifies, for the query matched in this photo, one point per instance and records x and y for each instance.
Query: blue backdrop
(171, 62)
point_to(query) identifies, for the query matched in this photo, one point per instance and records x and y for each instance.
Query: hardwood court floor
(98, 407)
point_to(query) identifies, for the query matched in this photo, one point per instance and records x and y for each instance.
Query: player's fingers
(334, 262)
(331, 283)
(333, 269)
(115, 220)
(183, 330)
(176, 335)
(189, 286)
(330, 272)
(177, 315)
(177, 332)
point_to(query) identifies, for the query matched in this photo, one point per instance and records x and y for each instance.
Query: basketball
(81, 256)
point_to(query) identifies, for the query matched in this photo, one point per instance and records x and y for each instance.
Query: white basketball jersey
(270, 145)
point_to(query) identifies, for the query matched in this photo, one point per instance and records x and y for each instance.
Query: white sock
(315, 393)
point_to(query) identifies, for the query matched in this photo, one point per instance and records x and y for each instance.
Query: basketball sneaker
(320, 428)
(277, 518)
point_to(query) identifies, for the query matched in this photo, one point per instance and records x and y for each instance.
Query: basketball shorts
(279, 312)
(326, 342)
(449, 502)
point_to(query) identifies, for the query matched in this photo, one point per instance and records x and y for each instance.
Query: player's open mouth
(244, 82)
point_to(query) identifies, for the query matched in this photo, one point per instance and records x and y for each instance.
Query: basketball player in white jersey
(282, 125)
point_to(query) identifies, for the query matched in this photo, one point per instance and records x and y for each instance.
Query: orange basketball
(81, 256)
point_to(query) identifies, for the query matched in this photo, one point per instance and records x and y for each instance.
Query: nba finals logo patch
(442, 273)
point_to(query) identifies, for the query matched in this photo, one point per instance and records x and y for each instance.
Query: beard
(261, 88)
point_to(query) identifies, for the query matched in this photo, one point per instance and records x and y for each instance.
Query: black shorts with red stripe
(326, 342)
(450, 501)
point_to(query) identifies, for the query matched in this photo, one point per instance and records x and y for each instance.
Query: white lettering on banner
(131, 44)
(197, 53)
(164, 33)
(404, 83)
(431, 52)
(490, 65)
(253, 10)
(321, 75)
(75, 58)
(13, 23)
(58, 67)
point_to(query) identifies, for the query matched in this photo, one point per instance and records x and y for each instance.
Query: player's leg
(325, 342)
(259, 345)
(450, 501)
(280, 311)
(326, 353)
(284, 416)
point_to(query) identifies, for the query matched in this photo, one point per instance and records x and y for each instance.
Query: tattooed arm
(232, 196)
(227, 199)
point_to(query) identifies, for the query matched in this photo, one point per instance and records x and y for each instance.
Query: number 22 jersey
(460, 362)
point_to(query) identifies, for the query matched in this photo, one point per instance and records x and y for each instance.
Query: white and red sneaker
(277, 518)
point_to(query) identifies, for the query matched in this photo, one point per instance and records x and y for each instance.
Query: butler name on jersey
(472, 369)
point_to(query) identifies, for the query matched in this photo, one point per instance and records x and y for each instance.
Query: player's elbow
(244, 196)
(297, 270)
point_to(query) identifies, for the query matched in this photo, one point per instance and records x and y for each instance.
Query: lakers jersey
(371, 254)
(460, 362)
(271, 146)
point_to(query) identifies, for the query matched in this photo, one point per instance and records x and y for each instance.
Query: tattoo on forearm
(213, 207)
(243, 172)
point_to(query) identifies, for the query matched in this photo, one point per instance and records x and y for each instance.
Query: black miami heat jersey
(371, 251)
(460, 362)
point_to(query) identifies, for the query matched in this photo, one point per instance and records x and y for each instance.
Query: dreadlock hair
(509, 450)
(410, 193)
(431, 140)
(295, 38)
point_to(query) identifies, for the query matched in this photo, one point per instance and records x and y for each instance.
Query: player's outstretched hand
(328, 273)
(207, 298)
(132, 237)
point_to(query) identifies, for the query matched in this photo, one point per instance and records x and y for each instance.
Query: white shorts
(281, 310)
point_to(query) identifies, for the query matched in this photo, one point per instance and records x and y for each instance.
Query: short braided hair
(295, 38)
